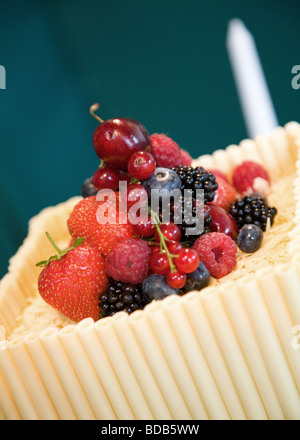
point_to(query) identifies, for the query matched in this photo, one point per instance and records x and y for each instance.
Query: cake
(229, 351)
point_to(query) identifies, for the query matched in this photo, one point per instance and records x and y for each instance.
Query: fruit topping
(128, 261)
(171, 231)
(225, 194)
(162, 179)
(176, 279)
(121, 297)
(222, 221)
(88, 189)
(166, 152)
(187, 260)
(250, 177)
(249, 238)
(218, 252)
(185, 158)
(152, 224)
(198, 279)
(195, 179)
(84, 222)
(252, 209)
(155, 287)
(141, 165)
(115, 140)
(73, 279)
(107, 177)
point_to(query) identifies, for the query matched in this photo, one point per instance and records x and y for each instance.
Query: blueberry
(198, 279)
(155, 287)
(88, 189)
(249, 238)
(163, 178)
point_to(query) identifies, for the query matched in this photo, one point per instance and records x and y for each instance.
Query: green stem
(163, 239)
(53, 243)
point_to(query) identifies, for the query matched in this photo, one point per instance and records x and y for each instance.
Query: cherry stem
(94, 108)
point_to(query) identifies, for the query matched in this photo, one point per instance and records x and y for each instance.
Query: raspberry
(218, 253)
(128, 261)
(250, 177)
(185, 159)
(166, 152)
(225, 194)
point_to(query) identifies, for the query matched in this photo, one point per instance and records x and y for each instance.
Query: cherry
(187, 260)
(115, 140)
(141, 165)
(222, 221)
(106, 177)
(177, 280)
(170, 231)
(159, 263)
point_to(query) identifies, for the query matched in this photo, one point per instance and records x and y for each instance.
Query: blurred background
(163, 62)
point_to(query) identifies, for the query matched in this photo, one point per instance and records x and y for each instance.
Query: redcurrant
(170, 231)
(159, 263)
(187, 260)
(141, 165)
(176, 279)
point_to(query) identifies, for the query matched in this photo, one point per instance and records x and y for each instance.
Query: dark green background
(161, 62)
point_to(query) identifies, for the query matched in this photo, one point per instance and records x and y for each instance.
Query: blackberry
(121, 297)
(193, 179)
(197, 178)
(252, 209)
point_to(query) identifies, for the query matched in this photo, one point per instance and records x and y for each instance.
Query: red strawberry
(225, 194)
(72, 281)
(219, 173)
(85, 221)
(250, 177)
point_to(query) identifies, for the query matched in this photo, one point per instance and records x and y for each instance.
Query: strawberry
(85, 221)
(249, 177)
(225, 194)
(219, 173)
(72, 280)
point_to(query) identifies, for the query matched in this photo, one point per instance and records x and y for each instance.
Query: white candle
(255, 99)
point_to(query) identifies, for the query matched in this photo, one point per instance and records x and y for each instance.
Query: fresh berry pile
(140, 233)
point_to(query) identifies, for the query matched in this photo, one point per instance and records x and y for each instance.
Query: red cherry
(115, 140)
(141, 165)
(159, 263)
(171, 231)
(176, 279)
(222, 221)
(187, 261)
(143, 229)
(107, 177)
